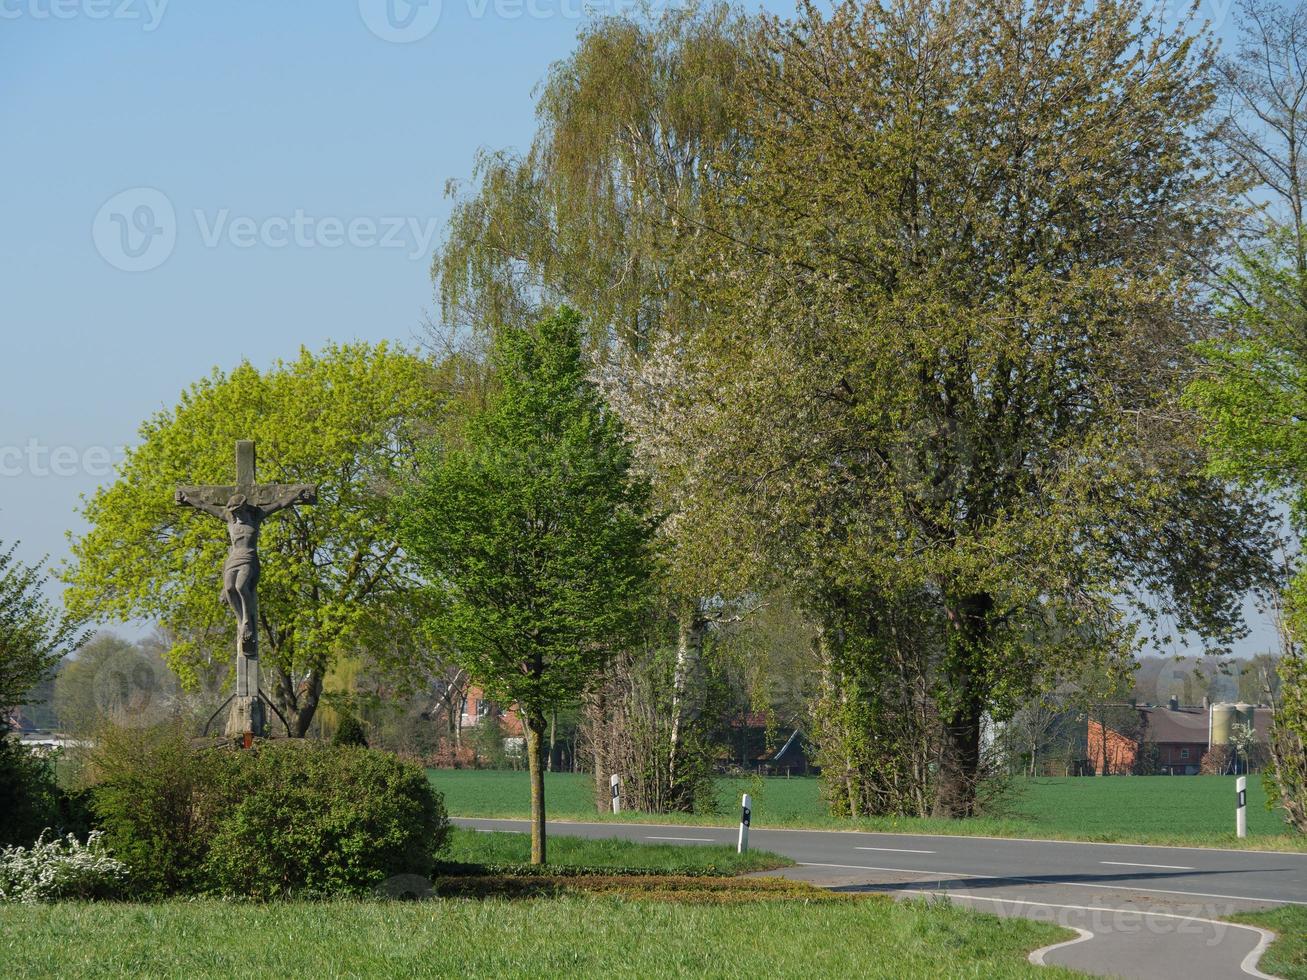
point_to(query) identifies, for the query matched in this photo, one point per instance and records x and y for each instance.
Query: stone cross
(243, 508)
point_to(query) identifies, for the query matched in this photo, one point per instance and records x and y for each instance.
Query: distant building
(1180, 737)
(477, 707)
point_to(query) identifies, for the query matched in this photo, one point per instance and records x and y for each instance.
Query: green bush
(305, 818)
(156, 799)
(33, 799)
(350, 732)
(283, 818)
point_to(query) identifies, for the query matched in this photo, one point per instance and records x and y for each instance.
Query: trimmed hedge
(282, 819)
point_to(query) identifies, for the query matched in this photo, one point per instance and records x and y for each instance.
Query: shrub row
(281, 819)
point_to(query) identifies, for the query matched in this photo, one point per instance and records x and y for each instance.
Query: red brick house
(1180, 736)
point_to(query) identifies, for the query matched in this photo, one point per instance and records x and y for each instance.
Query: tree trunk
(960, 764)
(553, 738)
(687, 693)
(535, 751)
(298, 703)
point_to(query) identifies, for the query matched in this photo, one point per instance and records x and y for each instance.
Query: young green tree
(33, 635)
(334, 579)
(535, 535)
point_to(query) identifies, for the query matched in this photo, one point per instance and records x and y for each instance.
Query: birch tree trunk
(687, 686)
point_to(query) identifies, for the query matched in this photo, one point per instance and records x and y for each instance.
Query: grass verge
(574, 935)
(1287, 956)
(511, 853)
(1187, 811)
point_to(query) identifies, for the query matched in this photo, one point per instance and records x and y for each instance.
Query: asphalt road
(1139, 911)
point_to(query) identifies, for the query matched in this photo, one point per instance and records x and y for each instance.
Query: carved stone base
(246, 716)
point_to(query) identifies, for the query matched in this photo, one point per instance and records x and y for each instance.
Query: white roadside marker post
(746, 812)
(616, 784)
(1241, 806)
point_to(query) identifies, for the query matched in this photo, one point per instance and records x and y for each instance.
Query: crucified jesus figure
(243, 507)
(240, 573)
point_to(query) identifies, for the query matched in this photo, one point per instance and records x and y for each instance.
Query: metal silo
(1222, 717)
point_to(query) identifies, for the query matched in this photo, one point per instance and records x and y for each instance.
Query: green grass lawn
(1287, 956)
(581, 935)
(1192, 810)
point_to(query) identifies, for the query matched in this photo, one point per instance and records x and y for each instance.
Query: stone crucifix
(243, 508)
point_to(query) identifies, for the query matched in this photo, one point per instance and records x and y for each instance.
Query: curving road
(1139, 911)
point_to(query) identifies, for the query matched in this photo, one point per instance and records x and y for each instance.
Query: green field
(1191, 810)
(571, 936)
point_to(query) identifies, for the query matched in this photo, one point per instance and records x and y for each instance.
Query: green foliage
(156, 798)
(33, 636)
(280, 819)
(34, 800)
(535, 532)
(333, 577)
(952, 297)
(350, 733)
(300, 818)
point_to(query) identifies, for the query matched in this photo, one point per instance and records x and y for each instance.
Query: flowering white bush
(61, 867)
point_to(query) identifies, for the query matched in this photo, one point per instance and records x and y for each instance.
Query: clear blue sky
(186, 184)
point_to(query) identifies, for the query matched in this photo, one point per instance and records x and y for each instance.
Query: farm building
(1170, 740)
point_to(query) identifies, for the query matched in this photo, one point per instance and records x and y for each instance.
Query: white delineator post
(1241, 806)
(746, 813)
(615, 782)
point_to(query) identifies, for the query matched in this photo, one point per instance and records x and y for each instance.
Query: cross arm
(209, 500)
(278, 496)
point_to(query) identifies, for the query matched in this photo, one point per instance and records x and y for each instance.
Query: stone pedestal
(246, 716)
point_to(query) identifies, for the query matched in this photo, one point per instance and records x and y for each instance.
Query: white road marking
(1248, 965)
(1135, 864)
(938, 874)
(701, 840)
(1036, 956)
(897, 850)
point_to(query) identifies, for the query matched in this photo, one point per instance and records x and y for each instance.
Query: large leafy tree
(535, 535)
(33, 634)
(334, 580)
(954, 283)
